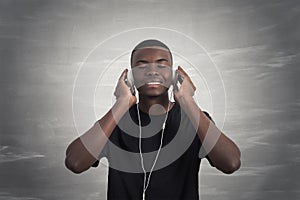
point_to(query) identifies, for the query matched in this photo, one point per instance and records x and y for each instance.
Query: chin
(153, 92)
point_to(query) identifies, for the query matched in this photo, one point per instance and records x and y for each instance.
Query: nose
(152, 70)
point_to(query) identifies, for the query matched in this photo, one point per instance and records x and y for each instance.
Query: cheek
(168, 80)
(138, 78)
(168, 77)
(138, 75)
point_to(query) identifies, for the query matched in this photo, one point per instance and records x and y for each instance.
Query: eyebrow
(162, 60)
(159, 60)
(142, 61)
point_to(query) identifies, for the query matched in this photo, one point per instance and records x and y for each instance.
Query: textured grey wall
(43, 43)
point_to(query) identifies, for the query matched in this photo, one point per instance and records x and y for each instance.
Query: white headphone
(145, 186)
(130, 82)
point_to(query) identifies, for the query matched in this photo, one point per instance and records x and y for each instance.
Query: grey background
(255, 44)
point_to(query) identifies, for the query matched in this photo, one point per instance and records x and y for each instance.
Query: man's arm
(222, 152)
(83, 152)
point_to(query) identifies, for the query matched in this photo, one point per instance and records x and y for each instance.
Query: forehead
(151, 54)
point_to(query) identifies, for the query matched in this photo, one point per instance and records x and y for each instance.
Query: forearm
(222, 152)
(84, 150)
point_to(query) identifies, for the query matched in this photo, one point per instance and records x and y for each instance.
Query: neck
(155, 105)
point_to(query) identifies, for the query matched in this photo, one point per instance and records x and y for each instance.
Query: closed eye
(161, 60)
(143, 65)
(161, 66)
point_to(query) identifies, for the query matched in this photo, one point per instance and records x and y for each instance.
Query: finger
(186, 76)
(182, 71)
(179, 72)
(194, 87)
(124, 74)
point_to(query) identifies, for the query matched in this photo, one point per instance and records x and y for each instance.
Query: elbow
(234, 163)
(233, 166)
(74, 166)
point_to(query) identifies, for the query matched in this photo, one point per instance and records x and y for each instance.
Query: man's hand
(187, 88)
(122, 91)
(223, 153)
(83, 152)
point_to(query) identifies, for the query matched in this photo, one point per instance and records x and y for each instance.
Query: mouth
(153, 83)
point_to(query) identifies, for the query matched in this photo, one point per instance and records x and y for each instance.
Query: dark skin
(222, 152)
(151, 65)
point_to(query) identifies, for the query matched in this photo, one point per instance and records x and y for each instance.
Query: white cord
(140, 148)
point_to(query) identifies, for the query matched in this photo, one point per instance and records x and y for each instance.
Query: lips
(153, 82)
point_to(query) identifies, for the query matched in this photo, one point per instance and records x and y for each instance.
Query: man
(165, 174)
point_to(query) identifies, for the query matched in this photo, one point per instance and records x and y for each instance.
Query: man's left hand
(187, 88)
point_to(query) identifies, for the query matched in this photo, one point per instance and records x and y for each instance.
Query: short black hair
(150, 43)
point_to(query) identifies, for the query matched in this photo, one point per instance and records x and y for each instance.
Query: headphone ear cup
(130, 79)
(174, 76)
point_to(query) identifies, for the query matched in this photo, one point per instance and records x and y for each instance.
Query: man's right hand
(123, 93)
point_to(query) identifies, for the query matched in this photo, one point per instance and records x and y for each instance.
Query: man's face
(152, 70)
